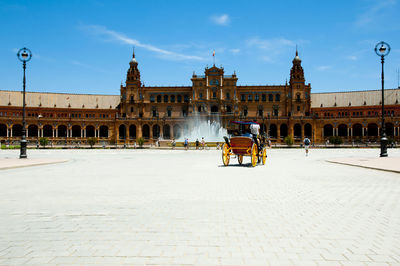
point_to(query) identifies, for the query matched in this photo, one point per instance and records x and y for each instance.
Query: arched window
(297, 130)
(132, 131)
(62, 131)
(328, 130)
(3, 130)
(90, 132)
(342, 130)
(357, 130)
(76, 131)
(277, 97)
(273, 131)
(158, 98)
(284, 130)
(146, 131)
(122, 131)
(156, 131)
(17, 130)
(103, 132)
(179, 98)
(32, 131)
(270, 98)
(308, 130)
(165, 98)
(166, 131)
(172, 98)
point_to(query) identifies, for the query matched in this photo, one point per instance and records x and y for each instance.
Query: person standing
(173, 144)
(255, 131)
(203, 143)
(306, 142)
(186, 144)
(197, 144)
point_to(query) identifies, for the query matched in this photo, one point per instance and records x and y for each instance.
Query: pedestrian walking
(306, 142)
(186, 144)
(203, 143)
(173, 143)
(197, 144)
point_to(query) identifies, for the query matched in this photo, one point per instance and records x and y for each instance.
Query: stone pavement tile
(333, 257)
(377, 264)
(15, 261)
(352, 263)
(232, 261)
(256, 261)
(328, 263)
(382, 258)
(357, 257)
(135, 260)
(305, 263)
(39, 260)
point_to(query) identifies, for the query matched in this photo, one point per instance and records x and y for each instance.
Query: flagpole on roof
(214, 57)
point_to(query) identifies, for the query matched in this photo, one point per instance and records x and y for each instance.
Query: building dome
(297, 58)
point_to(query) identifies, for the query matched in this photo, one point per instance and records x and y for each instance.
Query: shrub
(140, 142)
(288, 140)
(44, 141)
(336, 140)
(91, 141)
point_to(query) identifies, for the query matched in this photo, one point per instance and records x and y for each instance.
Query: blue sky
(85, 46)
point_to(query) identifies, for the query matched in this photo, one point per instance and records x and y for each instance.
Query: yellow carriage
(243, 145)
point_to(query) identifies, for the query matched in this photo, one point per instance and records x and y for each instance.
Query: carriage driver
(255, 131)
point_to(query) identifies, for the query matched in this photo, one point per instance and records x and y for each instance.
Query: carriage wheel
(264, 155)
(240, 159)
(254, 155)
(225, 154)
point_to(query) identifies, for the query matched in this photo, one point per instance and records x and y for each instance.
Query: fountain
(198, 127)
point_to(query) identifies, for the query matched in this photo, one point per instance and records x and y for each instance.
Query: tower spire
(133, 54)
(297, 53)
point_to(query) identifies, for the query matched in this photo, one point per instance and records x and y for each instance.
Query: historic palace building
(154, 112)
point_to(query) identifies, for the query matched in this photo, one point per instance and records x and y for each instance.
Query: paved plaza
(175, 207)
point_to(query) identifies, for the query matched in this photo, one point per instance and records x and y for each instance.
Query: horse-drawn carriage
(242, 143)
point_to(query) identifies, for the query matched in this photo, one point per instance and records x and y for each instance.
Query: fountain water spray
(197, 127)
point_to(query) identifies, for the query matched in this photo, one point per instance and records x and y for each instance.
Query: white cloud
(270, 44)
(352, 57)
(235, 51)
(323, 68)
(269, 50)
(221, 19)
(374, 12)
(121, 38)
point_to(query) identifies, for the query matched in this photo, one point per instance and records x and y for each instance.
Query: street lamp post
(382, 49)
(24, 55)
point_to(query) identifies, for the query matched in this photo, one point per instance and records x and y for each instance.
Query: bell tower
(299, 91)
(133, 75)
(131, 94)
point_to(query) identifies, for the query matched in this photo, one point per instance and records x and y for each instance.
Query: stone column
(41, 132)
(139, 133)
(278, 131)
(56, 129)
(151, 132)
(171, 132)
(8, 132)
(11, 132)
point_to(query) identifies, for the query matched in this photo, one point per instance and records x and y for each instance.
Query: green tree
(44, 141)
(288, 140)
(336, 140)
(140, 142)
(92, 141)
